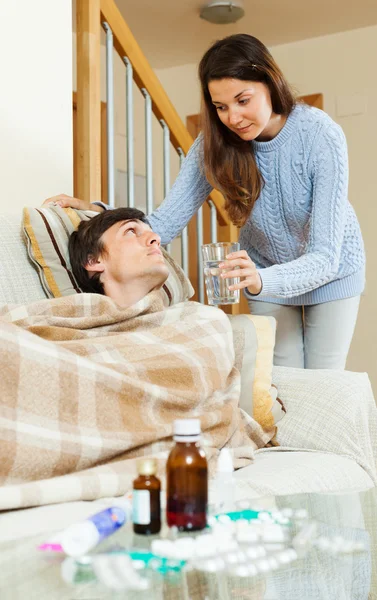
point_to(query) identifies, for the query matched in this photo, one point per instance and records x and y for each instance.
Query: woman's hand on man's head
(239, 264)
(70, 202)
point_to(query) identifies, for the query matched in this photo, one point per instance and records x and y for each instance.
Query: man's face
(132, 255)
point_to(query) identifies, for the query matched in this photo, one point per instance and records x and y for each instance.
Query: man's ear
(95, 265)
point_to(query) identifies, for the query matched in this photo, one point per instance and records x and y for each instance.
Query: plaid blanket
(87, 386)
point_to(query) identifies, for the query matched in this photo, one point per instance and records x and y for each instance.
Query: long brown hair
(229, 161)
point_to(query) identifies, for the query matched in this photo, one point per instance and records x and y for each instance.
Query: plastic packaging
(54, 544)
(224, 482)
(79, 538)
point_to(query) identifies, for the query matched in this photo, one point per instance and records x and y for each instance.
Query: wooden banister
(126, 45)
(88, 123)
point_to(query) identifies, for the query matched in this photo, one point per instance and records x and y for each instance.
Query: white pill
(273, 533)
(210, 566)
(184, 548)
(275, 547)
(261, 551)
(163, 548)
(273, 562)
(231, 558)
(264, 516)
(248, 535)
(276, 514)
(227, 546)
(252, 553)
(224, 519)
(241, 571)
(241, 524)
(284, 557)
(263, 565)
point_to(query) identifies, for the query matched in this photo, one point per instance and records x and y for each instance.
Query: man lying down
(94, 380)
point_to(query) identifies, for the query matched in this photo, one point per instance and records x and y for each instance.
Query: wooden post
(88, 155)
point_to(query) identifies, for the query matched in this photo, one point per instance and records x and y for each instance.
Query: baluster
(110, 116)
(148, 150)
(184, 233)
(199, 237)
(130, 134)
(213, 221)
(166, 155)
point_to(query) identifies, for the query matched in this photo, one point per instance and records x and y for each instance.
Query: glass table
(27, 574)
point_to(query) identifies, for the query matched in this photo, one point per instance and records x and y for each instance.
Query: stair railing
(91, 15)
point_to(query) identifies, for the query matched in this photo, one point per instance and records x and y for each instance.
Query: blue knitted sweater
(303, 234)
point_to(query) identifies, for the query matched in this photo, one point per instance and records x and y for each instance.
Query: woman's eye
(220, 108)
(244, 101)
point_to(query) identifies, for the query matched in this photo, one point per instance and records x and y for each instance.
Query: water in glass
(217, 287)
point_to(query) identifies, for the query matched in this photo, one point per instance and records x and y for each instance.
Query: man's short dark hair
(86, 244)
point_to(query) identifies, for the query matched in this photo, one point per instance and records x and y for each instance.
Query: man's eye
(130, 229)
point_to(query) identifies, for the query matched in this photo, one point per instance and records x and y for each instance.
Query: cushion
(47, 232)
(275, 472)
(19, 281)
(254, 342)
(329, 411)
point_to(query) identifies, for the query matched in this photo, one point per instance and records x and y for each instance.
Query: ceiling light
(223, 11)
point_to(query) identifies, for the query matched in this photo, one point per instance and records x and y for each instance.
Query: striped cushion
(47, 232)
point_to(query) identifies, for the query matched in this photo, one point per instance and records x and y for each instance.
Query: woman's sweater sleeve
(186, 196)
(328, 167)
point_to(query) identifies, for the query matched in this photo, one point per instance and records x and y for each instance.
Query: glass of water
(218, 291)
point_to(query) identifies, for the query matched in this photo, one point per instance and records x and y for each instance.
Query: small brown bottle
(146, 507)
(187, 478)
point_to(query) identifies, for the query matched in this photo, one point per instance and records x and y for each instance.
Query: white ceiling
(171, 33)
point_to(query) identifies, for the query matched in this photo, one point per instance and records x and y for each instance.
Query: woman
(282, 167)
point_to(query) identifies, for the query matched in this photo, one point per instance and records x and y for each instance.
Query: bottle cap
(186, 427)
(146, 466)
(225, 461)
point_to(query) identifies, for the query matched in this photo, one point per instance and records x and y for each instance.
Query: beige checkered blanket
(86, 387)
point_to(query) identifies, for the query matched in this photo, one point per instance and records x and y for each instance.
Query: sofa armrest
(329, 411)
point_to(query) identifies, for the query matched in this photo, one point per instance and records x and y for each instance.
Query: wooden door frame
(315, 100)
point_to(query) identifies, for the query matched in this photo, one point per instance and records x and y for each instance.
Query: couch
(328, 438)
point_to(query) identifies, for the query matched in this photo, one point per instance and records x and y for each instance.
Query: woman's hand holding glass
(239, 264)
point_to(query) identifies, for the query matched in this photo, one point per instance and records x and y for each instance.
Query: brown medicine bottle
(187, 478)
(146, 507)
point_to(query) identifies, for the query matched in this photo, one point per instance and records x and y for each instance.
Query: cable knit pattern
(303, 234)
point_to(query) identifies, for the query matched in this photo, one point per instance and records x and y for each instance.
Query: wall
(35, 101)
(342, 67)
